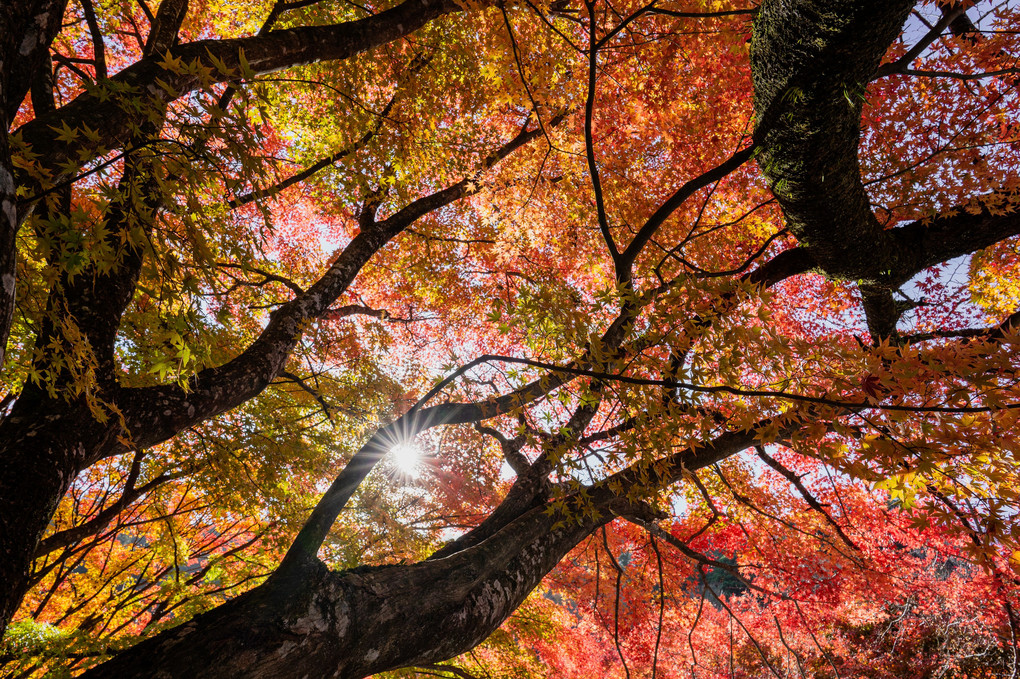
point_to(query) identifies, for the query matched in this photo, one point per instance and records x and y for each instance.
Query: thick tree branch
(27, 28)
(960, 231)
(165, 26)
(961, 25)
(364, 621)
(784, 265)
(511, 449)
(992, 334)
(811, 61)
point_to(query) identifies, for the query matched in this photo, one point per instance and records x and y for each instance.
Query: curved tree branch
(810, 62)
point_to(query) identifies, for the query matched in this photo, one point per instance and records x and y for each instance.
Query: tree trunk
(41, 448)
(310, 621)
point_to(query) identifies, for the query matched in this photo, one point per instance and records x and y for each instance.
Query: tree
(643, 244)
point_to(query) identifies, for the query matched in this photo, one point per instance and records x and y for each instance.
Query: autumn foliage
(731, 290)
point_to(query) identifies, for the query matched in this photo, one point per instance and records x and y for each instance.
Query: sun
(406, 458)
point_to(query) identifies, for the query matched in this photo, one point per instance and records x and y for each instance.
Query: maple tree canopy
(543, 338)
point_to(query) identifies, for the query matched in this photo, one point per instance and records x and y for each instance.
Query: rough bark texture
(312, 622)
(26, 31)
(815, 58)
(8, 233)
(42, 448)
(811, 62)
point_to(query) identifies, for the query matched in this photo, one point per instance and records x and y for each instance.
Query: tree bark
(313, 622)
(811, 62)
(26, 30)
(42, 445)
